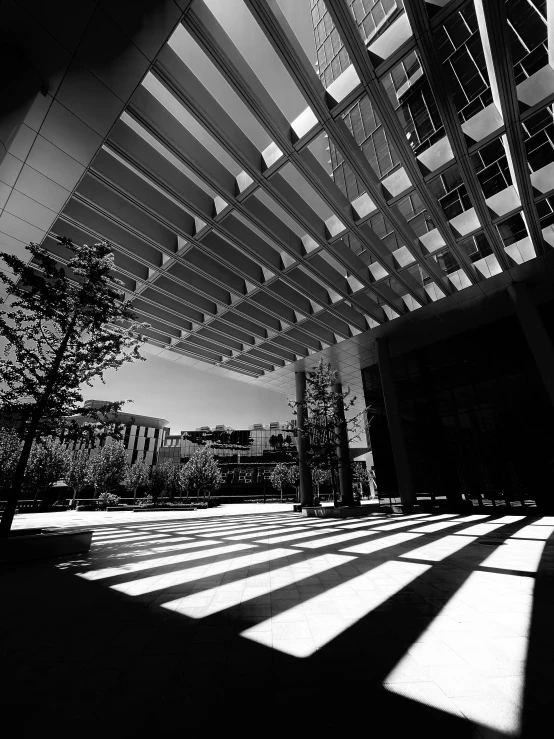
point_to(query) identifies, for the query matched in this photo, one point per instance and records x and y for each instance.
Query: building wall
(475, 415)
(141, 442)
(460, 48)
(243, 444)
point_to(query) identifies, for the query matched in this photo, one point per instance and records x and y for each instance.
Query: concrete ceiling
(237, 272)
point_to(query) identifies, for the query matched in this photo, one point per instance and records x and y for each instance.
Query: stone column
(343, 456)
(535, 333)
(306, 492)
(402, 465)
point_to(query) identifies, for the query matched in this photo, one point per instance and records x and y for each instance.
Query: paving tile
(494, 664)
(320, 607)
(257, 612)
(408, 670)
(300, 647)
(463, 680)
(293, 630)
(447, 640)
(435, 653)
(499, 715)
(428, 693)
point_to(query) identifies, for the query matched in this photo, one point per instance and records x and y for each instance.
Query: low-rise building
(143, 436)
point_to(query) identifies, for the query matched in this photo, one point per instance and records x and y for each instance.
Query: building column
(343, 455)
(17, 92)
(535, 334)
(402, 465)
(306, 492)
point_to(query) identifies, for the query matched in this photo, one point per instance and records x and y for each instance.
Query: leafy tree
(294, 477)
(201, 474)
(107, 468)
(183, 481)
(360, 473)
(324, 407)
(10, 449)
(95, 424)
(48, 462)
(174, 487)
(279, 477)
(160, 477)
(76, 473)
(136, 476)
(273, 441)
(320, 477)
(65, 326)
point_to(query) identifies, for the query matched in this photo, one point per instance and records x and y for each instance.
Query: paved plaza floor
(253, 619)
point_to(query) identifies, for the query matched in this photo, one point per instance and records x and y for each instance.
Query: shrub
(109, 499)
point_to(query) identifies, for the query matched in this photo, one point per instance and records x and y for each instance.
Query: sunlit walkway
(254, 618)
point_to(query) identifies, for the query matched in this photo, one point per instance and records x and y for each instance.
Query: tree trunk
(134, 495)
(17, 481)
(334, 486)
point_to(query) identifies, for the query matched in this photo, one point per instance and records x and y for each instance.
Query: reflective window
(461, 52)
(538, 133)
(528, 33)
(491, 165)
(411, 96)
(451, 192)
(512, 229)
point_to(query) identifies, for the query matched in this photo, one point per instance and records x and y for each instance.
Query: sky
(187, 397)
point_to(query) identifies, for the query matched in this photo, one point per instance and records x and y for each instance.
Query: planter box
(343, 512)
(22, 546)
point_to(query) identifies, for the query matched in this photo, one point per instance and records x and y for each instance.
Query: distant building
(257, 443)
(143, 435)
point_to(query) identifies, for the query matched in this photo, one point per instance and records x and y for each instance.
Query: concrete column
(343, 456)
(306, 492)
(402, 465)
(535, 333)
(18, 90)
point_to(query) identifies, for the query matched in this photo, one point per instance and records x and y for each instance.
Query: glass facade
(461, 52)
(255, 444)
(412, 99)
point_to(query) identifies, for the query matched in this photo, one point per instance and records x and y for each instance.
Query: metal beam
(140, 155)
(217, 45)
(417, 12)
(109, 208)
(153, 116)
(352, 40)
(493, 28)
(282, 38)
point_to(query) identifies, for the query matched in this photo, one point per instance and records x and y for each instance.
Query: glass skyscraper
(405, 82)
